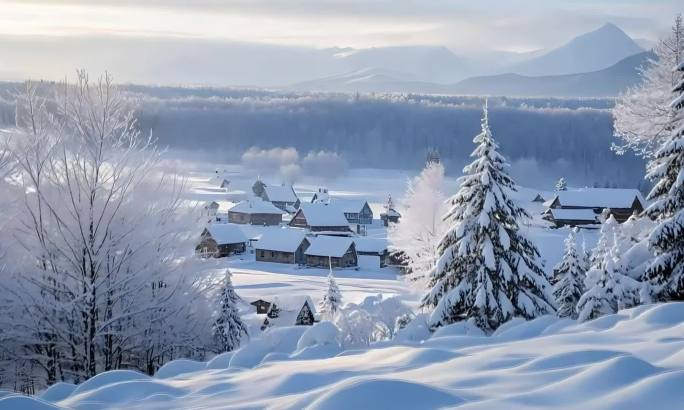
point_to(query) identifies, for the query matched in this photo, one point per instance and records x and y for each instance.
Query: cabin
(221, 240)
(539, 198)
(621, 203)
(372, 252)
(211, 208)
(357, 211)
(255, 212)
(261, 306)
(322, 219)
(331, 251)
(282, 246)
(321, 195)
(571, 217)
(282, 196)
(290, 311)
(390, 216)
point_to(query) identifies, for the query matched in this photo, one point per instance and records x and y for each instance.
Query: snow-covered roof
(323, 215)
(598, 198)
(226, 233)
(351, 206)
(391, 212)
(293, 302)
(573, 214)
(280, 193)
(371, 245)
(256, 206)
(281, 240)
(334, 246)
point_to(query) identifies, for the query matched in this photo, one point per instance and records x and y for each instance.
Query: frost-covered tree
(607, 288)
(643, 118)
(666, 272)
(487, 270)
(228, 328)
(422, 227)
(332, 300)
(561, 185)
(569, 277)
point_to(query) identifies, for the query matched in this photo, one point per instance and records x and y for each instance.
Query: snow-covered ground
(631, 360)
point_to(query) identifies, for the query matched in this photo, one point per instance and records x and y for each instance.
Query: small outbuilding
(262, 306)
(331, 251)
(282, 246)
(570, 217)
(255, 212)
(290, 311)
(321, 218)
(390, 216)
(372, 251)
(621, 203)
(220, 240)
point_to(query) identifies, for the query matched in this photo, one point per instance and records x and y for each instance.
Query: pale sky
(510, 25)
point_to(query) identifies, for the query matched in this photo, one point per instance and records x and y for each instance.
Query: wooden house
(539, 198)
(262, 306)
(220, 240)
(356, 211)
(282, 196)
(290, 311)
(255, 212)
(321, 195)
(621, 203)
(282, 246)
(570, 217)
(321, 218)
(390, 216)
(331, 251)
(373, 250)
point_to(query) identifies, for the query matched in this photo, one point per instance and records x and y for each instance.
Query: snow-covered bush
(321, 334)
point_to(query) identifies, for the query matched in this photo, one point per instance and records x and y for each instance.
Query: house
(282, 246)
(357, 211)
(390, 216)
(322, 219)
(261, 306)
(290, 311)
(539, 198)
(210, 209)
(570, 217)
(373, 250)
(331, 251)
(282, 196)
(321, 195)
(255, 212)
(219, 240)
(220, 183)
(621, 203)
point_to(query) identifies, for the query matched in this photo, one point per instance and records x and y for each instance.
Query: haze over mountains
(602, 62)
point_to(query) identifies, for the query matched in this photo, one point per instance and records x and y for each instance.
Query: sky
(45, 38)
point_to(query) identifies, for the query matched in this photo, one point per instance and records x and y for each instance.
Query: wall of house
(263, 255)
(231, 249)
(348, 260)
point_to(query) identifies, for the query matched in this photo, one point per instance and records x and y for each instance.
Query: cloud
(269, 159)
(324, 164)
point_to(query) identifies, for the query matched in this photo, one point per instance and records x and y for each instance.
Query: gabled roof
(587, 215)
(391, 212)
(293, 302)
(281, 240)
(333, 246)
(371, 245)
(225, 234)
(351, 206)
(256, 206)
(598, 198)
(280, 193)
(323, 215)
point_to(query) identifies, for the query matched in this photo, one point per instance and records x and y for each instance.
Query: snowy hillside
(630, 360)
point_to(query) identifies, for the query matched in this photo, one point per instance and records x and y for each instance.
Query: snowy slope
(631, 360)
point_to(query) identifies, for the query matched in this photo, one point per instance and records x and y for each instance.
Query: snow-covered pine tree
(608, 289)
(487, 271)
(561, 185)
(332, 300)
(569, 277)
(666, 273)
(228, 328)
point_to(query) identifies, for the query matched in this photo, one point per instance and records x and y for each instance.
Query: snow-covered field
(631, 360)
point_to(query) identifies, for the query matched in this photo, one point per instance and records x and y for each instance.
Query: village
(279, 228)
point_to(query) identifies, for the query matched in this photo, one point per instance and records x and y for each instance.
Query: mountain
(591, 51)
(602, 83)
(368, 80)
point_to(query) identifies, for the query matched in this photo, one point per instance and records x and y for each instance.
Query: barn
(621, 203)
(255, 212)
(220, 240)
(331, 251)
(282, 196)
(321, 218)
(282, 246)
(571, 217)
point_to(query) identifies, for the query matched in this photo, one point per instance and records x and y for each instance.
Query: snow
(226, 233)
(348, 205)
(635, 361)
(371, 245)
(335, 246)
(282, 240)
(599, 197)
(323, 215)
(280, 193)
(256, 206)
